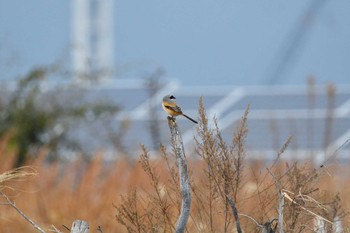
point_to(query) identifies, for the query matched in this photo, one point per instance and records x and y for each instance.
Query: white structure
(92, 35)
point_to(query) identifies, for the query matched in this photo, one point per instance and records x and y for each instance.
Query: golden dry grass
(62, 193)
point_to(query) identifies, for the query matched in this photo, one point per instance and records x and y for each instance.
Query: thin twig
(326, 169)
(54, 229)
(66, 227)
(21, 213)
(306, 198)
(334, 153)
(251, 218)
(309, 211)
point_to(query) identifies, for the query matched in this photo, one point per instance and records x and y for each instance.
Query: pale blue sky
(227, 42)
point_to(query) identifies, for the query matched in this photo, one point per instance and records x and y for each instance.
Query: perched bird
(169, 105)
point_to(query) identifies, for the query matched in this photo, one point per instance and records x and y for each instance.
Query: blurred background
(81, 84)
(97, 70)
(206, 43)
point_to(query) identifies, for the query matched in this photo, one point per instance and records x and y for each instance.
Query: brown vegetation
(144, 196)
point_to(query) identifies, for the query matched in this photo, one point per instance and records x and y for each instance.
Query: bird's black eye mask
(172, 97)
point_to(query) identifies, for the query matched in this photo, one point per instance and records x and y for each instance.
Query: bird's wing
(174, 108)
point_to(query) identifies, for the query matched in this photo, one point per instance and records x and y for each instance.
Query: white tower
(92, 32)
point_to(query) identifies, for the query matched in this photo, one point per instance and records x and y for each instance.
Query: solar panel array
(316, 118)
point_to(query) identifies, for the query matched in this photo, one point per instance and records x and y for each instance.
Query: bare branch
(235, 213)
(21, 213)
(280, 202)
(179, 151)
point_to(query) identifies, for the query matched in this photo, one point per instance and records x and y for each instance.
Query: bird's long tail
(190, 119)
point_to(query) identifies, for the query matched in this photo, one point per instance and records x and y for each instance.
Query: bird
(170, 106)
